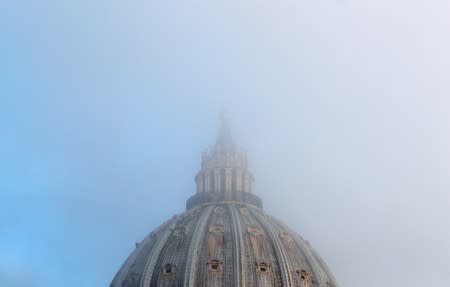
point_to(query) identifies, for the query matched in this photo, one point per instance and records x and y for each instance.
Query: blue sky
(106, 106)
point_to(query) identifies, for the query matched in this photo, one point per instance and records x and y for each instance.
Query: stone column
(228, 180)
(246, 183)
(198, 183)
(217, 180)
(207, 182)
(238, 181)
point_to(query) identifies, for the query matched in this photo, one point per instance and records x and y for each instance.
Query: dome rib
(132, 270)
(154, 254)
(238, 243)
(324, 267)
(247, 239)
(307, 251)
(192, 258)
(279, 250)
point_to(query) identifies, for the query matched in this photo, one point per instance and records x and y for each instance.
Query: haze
(342, 105)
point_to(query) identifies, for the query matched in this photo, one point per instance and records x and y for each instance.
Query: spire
(224, 174)
(224, 136)
(224, 165)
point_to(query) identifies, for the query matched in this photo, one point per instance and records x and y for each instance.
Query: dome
(224, 238)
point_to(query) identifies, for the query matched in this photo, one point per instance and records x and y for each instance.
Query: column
(217, 180)
(246, 183)
(207, 182)
(228, 180)
(238, 181)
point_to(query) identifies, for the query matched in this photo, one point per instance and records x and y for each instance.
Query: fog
(342, 106)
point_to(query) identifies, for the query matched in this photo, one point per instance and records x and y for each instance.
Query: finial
(224, 137)
(224, 116)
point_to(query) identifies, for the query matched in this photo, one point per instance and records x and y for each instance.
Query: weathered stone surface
(219, 245)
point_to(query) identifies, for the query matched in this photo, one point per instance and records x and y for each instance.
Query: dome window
(169, 269)
(214, 265)
(255, 230)
(179, 231)
(216, 228)
(302, 274)
(287, 239)
(263, 267)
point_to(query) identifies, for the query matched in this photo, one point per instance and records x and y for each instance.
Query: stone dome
(224, 238)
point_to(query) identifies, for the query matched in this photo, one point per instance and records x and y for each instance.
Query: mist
(342, 106)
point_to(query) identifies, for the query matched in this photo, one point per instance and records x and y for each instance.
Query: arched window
(304, 277)
(216, 228)
(215, 265)
(179, 231)
(255, 230)
(169, 269)
(263, 267)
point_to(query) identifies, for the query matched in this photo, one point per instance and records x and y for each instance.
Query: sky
(343, 107)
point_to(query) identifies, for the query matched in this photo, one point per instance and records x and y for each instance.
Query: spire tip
(224, 137)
